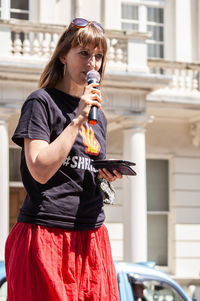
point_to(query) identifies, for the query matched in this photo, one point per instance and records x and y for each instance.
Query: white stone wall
(51, 11)
(167, 138)
(186, 205)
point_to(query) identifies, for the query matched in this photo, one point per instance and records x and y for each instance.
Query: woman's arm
(44, 159)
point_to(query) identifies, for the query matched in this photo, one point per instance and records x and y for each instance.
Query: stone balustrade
(29, 39)
(34, 40)
(185, 76)
(127, 51)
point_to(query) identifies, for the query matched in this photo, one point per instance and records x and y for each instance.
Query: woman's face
(79, 61)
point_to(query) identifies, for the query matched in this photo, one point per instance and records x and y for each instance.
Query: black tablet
(121, 166)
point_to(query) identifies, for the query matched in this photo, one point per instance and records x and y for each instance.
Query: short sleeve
(33, 123)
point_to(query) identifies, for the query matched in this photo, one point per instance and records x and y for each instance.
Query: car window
(3, 291)
(152, 290)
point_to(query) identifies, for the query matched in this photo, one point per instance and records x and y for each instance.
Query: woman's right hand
(91, 97)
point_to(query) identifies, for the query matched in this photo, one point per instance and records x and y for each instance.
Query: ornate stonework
(195, 133)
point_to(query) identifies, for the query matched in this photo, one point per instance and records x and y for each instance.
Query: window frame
(130, 21)
(143, 23)
(6, 10)
(169, 213)
(20, 11)
(156, 24)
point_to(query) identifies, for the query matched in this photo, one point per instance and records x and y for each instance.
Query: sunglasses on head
(81, 23)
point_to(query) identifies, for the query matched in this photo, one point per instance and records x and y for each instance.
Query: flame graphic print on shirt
(92, 146)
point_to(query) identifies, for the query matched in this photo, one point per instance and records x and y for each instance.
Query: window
(155, 24)
(146, 16)
(130, 17)
(153, 289)
(14, 164)
(157, 211)
(15, 9)
(19, 9)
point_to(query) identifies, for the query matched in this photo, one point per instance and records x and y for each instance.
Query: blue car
(142, 282)
(136, 282)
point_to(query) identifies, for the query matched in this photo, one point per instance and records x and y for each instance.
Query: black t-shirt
(71, 199)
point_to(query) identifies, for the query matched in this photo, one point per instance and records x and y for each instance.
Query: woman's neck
(71, 89)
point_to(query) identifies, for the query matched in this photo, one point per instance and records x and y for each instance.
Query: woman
(59, 248)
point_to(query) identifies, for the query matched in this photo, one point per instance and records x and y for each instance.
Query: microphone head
(93, 76)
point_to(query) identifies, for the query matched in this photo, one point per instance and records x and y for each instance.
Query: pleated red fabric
(47, 264)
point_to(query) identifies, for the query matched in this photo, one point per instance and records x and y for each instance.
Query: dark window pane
(155, 15)
(157, 33)
(129, 26)
(150, 50)
(19, 16)
(157, 185)
(14, 164)
(129, 12)
(20, 4)
(161, 51)
(157, 238)
(155, 51)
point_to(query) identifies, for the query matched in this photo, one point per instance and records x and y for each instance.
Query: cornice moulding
(21, 71)
(135, 80)
(180, 98)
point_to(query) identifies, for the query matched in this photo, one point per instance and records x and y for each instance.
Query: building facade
(151, 96)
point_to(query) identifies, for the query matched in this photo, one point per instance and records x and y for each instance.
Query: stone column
(135, 212)
(4, 185)
(183, 24)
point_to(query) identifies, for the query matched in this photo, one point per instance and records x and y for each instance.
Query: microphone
(93, 77)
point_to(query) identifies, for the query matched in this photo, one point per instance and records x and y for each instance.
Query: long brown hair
(70, 38)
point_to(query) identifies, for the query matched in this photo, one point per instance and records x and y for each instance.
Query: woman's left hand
(110, 177)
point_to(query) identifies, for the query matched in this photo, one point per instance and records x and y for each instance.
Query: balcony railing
(33, 40)
(185, 76)
(127, 51)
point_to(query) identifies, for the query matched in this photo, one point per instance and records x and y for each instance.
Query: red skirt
(50, 264)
